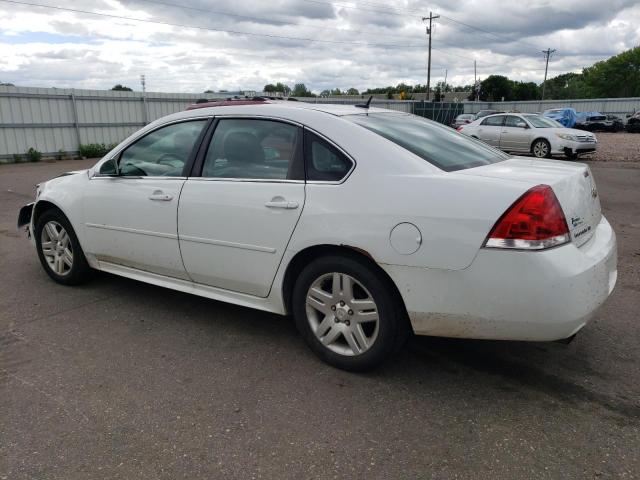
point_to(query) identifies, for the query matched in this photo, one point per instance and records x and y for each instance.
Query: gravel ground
(617, 147)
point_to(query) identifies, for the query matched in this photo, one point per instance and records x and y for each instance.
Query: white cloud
(49, 47)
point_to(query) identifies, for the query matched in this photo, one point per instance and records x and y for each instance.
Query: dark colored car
(598, 122)
(633, 123)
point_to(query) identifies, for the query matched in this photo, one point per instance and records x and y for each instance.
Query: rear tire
(348, 313)
(59, 250)
(541, 148)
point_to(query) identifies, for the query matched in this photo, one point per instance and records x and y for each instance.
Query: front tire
(59, 250)
(541, 148)
(347, 313)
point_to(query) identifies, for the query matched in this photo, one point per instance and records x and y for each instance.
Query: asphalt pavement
(118, 379)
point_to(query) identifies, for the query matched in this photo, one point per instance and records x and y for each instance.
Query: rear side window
(493, 121)
(324, 162)
(437, 144)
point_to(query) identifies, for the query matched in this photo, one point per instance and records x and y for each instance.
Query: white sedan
(531, 133)
(366, 225)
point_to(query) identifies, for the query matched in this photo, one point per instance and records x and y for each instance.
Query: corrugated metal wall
(613, 106)
(50, 119)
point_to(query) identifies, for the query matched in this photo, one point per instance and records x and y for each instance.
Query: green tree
(495, 87)
(353, 91)
(121, 88)
(325, 93)
(300, 90)
(525, 91)
(619, 76)
(336, 91)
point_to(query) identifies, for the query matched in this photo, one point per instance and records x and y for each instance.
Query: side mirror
(522, 125)
(109, 168)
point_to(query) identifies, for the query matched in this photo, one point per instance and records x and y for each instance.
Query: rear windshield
(437, 144)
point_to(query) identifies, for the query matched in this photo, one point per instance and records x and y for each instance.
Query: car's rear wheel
(347, 313)
(541, 148)
(59, 250)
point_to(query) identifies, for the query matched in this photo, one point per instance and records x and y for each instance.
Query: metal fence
(53, 120)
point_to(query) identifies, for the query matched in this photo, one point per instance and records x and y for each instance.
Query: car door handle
(160, 196)
(281, 204)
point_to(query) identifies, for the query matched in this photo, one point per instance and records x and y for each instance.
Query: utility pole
(431, 17)
(475, 81)
(547, 53)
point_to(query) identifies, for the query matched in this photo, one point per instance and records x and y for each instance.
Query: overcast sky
(244, 44)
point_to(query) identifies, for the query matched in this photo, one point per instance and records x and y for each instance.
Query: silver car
(530, 133)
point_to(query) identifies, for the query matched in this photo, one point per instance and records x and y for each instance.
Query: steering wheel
(169, 159)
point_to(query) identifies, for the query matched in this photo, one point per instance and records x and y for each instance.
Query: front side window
(252, 149)
(437, 144)
(163, 152)
(513, 121)
(495, 121)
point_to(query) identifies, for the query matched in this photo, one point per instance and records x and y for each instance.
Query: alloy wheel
(342, 314)
(541, 149)
(56, 248)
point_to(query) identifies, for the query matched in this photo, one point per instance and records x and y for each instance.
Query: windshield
(542, 122)
(437, 144)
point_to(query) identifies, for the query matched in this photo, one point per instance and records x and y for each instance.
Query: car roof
(260, 107)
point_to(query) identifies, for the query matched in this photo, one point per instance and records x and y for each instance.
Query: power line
(272, 20)
(234, 32)
(352, 7)
(496, 35)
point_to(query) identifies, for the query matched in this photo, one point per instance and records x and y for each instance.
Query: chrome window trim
(238, 180)
(119, 148)
(134, 177)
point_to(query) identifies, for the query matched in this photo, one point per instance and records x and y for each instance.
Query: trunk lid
(572, 183)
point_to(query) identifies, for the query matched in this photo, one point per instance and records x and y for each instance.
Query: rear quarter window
(437, 144)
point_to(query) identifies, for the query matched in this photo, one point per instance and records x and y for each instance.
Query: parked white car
(365, 224)
(531, 133)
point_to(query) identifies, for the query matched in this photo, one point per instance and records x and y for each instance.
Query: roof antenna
(365, 105)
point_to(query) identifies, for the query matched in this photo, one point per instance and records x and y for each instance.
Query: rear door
(490, 129)
(238, 212)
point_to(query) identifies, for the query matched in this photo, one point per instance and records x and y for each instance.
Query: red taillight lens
(459, 129)
(534, 222)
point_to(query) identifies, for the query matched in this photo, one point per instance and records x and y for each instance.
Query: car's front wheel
(59, 250)
(347, 312)
(541, 148)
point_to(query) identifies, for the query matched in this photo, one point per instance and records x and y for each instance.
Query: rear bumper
(513, 295)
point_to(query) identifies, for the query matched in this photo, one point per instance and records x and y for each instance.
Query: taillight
(534, 222)
(459, 129)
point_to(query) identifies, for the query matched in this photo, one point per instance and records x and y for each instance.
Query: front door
(130, 219)
(236, 219)
(515, 135)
